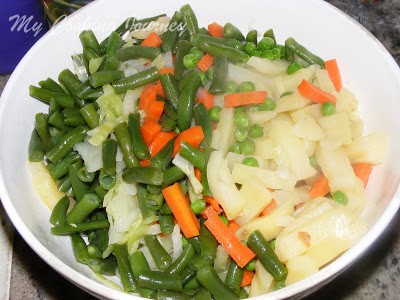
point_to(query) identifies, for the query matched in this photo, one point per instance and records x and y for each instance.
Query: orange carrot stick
(166, 70)
(233, 226)
(149, 131)
(160, 89)
(269, 208)
(240, 253)
(320, 187)
(145, 163)
(154, 111)
(213, 202)
(205, 62)
(362, 171)
(315, 94)
(334, 74)
(216, 30)
(152, 40)
(160, 142)
(193, 136)
(247, 278)
(206, 98)
(245, 98)
(197, 173)
(181, 210)
(149, 95)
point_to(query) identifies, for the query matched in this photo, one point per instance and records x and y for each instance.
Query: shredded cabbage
(176, 242)
(79, 67)
(188, 169)
(91, 155)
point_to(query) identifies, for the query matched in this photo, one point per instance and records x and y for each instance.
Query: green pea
(282, 51)
(250, 47)
(313, 162)
(224, 220)
(203, 77)
(190, 61)
(241, 120)
(269, 104)
(214, 113)
(247, 86)
(340, 197)
(294, 67)
(210, 73)
(198, 206)
(256, 131)
(266, 43)
(246, 57)
(240, 109)
(232, 87)
(328, 108)
(235, 148)
(267, 54)
(256, 53)
(197, 52)
(240, 134)
(247, 147)
(251, 265)
(250, 161)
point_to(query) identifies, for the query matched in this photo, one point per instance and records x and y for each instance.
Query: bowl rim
(309, 284)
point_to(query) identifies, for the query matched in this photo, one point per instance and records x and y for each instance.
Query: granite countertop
(375, 276)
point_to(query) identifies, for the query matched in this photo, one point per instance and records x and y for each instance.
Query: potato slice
(289, 83)
(300, 267)
(223, 136)
(345, 101)
(291, 102)
(262, 281)
(337, 129)
(261, 117)
(309, 129)
(370, 149)
(311, 111)
(324, 81)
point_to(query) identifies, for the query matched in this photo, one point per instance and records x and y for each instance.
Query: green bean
(92, 94)
(83, 208)
(195, 242)
(36, 149)
(89, 114)
(165, 209)
(163, 158)
(210, 280)
(171, 89)
(303, 53)
(101, 78)
(83, 88)
(57, 120)
(231, 31)
(183, 48)
(188, 77)
(64, 185)
(266, 255)
(270, 33)
(85, 176)
(80, 188)
(59, 212)
(114, 43)
(60, 168)
(187, 274)
(47, 96)
(167, 124)
(186, 102)
(157, 280)
(171, 35)
(157, 251)
(81, 227)
(218, 83)
(198, 39)
(251, 37)
(183, 260)
(169, 110)
(289, 55)
(189, 18)
(172, 175)
(202, 294)
(98, 189)
(193, 284)
(139, 147)
(192, 155)
(142, 199)
(154, 189)
(124, 268)
(107, 176)
(71, 83)
(169, 295)
(146, 175)
(89, 40)
(154, 202)
(166, 223)
(234, 55)
(110, 62)
(42, 127)
(54, 106)
(134, 52)
(89, 53)
(67, 142)
(200, 262)
(99, 238)
(79, 248)
(106, 266)
(234, 277)
(136, 80)
(125, 143)
(203, 119)
(51, 85)
(243, 294)
(73, 118)
(208, 243)
(138, 264)
(94, 251)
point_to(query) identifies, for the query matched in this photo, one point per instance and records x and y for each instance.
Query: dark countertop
(375, 276)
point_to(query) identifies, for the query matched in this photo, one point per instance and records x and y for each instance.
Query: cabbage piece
(188, 169)
(91, 155)
(267, 66)
(79, 67)
(300, 267)
(222, 260)
(371, 149)
(223, 135)
(262, 281)
(176, 242)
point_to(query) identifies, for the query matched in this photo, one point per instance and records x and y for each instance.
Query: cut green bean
(203, 119)
(79, 248)
(157, 280)
(64, 184)
(198, 39)
(166, 223)
(171, 35)
(47, 96)
(42, 127)
(125, 143)
(90, 115)
(170, 295)
(192, 285)
(208, 243)
(110, 62)
(231, 31)
(89, 40)
(71, 83)
(243, 294)
(80, 188)
(73, 117)
(59, 212)
(101, 78)
(99, 237)
(210, 280)
(165, 209)
(163, 158)
(35, 149)
(202, 294)
(140, 148)
(81, 227)
(114, 43)
(232, 54)
(57, 120)
(98, 189)
(146, 211)
(92, 94)
(135, 52)
(89, 53)
(167, 124)
(171, 89)
(188, 77)
(187, 274)
(146, 175)
(189, 18)
(83, 208)
(183, 260)
(60, 168)
(160, 256)
(234, 277)
(183, 48)
(171, 175)
(251, 37)
(218, 83)
(303, 53)
(125, 272)
(154, 202)
(139, 264)
(137, 80)
(51, 85)
(94, 251)
(270, 33)
(266, 255)
(106, 266)
(193, 155)
(85, 176)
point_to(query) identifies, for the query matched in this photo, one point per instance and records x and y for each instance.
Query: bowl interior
(367, 70)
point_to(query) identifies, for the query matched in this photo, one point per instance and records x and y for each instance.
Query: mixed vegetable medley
(197, 163)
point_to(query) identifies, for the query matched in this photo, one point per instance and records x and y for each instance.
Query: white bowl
(367, 69)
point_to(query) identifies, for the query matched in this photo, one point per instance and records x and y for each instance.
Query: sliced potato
(289, 83)
(345, 101)
(324, 81)
(267, 66)
(262, 281)
(309, 129)
(337, 129)
(264, 148)
(370, 149)
(240, 74)
(223, 136)
(300, 267)
(356, 125)
(291, 102)
(309, 146)
(311, 111)
(261, 117)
